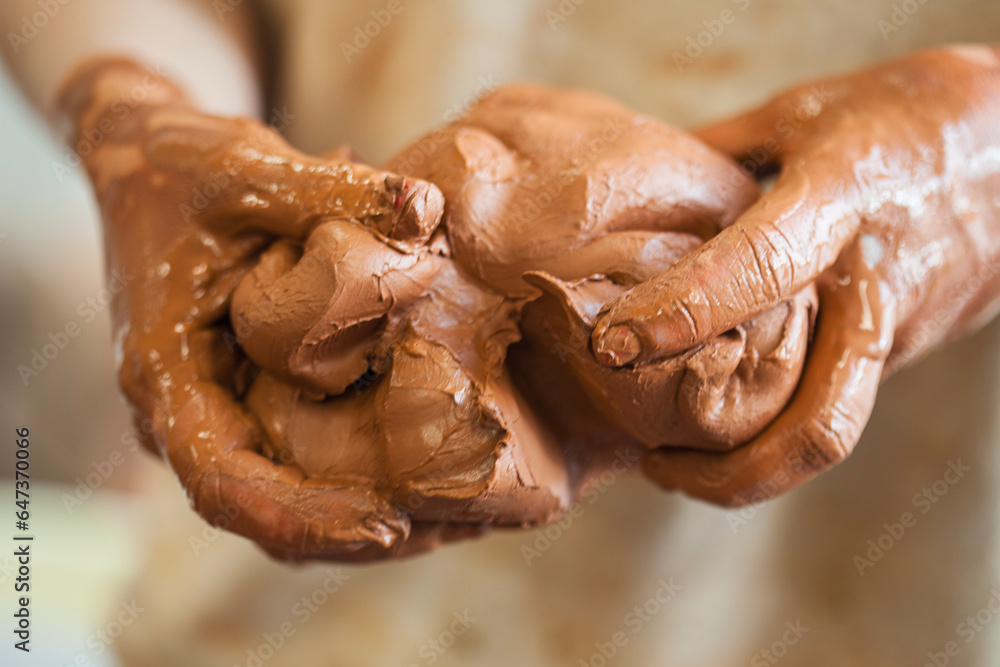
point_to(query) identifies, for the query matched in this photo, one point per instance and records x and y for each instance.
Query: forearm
(210, 56)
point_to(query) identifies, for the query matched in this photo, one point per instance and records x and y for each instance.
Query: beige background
(792, 560)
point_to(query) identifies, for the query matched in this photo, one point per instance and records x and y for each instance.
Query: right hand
(887, 203)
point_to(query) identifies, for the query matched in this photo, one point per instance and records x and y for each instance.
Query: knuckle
(768, 261)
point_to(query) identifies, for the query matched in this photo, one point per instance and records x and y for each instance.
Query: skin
(887, 201)
(185, 246)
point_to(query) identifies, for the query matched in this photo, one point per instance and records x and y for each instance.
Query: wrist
(101, 93)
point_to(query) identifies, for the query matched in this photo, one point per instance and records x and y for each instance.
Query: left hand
(889, 200)
(188, 203)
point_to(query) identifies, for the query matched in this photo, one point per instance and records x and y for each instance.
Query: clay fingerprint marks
(483, 456)
(573, 186)
(479, 455)
(461, 444)
(315, 317)
(533, 174)
(559, 324)
(312, 316)
(739, 381)
(712, 397)
(430, 439)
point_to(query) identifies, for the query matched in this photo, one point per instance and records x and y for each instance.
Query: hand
(889, 199)
(188, 202)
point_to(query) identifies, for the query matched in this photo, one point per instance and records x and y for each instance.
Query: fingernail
(394, 183)
(420, 207)
(617, 346)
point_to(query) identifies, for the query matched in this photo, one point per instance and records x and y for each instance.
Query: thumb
(243, 176)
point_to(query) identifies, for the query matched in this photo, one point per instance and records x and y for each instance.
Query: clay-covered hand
(189, 201)
(889, 199)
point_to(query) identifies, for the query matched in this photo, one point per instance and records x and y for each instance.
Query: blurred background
(123, 573)
(51, 274)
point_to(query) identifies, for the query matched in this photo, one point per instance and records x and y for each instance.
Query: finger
(681, 186)
(825, 419)
(424, 538)
(776, 248)
(627, 257)
(742, 137)
(243, 175)
(211, 445)
(290, 197)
